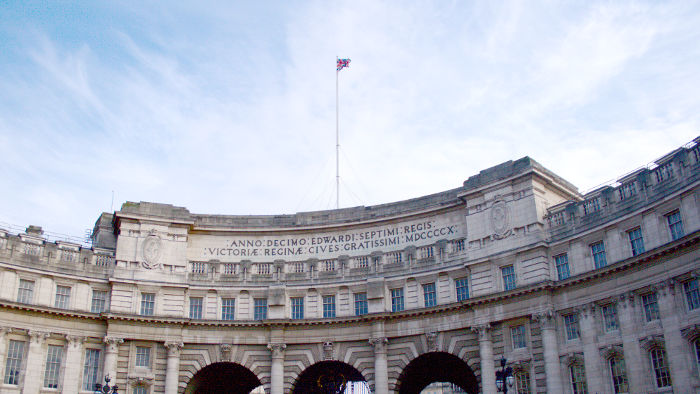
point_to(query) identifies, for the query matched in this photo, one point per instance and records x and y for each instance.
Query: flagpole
(337, 142)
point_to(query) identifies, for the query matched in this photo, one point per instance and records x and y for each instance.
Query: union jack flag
(342, 63)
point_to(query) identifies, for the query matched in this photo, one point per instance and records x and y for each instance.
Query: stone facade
(595, 292)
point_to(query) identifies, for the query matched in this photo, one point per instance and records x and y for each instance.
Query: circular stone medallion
(151, 251)
(500, 219)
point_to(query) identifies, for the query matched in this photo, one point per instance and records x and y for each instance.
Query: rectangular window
(329, 306)
(517, 333)
(578, 379)
(651, 307)
(462, 287)
(228, 308)
(598, 252)
(91, 369)
(457, 246)
(691, 294)
(609, 317)
(396, 300)
(571, 325)
(522, 382)
(143, 356)
(675, 225)
(360, 304)
(99, 301)
(619, 375)
(25, 293)
(562, 263)
(636, 241)
(148, 301)
(196, 307)
(54, 357)
(429, 295)
(13, 366)
(260, 308)
(660, 367)
(62, 297)
(508, 274)
(140, 390)
(297, 307)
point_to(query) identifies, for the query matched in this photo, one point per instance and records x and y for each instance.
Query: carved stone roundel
(151, 251)
(500, 219)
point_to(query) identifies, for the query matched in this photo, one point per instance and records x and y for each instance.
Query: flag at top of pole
(342, 63)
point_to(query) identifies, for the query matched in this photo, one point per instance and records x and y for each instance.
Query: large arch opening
(223, 378)
(330, 377)
(437, 367)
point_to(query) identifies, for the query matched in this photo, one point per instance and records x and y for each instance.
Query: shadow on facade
(436, 367)
(326, 377)
(223, 378)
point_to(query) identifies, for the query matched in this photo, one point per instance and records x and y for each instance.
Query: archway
(436, 367)
(327, 377)
(223, 378)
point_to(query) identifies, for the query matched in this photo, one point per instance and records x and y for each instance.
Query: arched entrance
(223, 378)
(327, 377)
(436, 367)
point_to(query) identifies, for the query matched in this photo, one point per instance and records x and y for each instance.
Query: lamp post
(504, 377)
(106, 389)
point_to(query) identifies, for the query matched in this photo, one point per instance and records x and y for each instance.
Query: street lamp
(504, 377)
(106, 389)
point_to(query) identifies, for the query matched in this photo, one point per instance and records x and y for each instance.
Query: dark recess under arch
(436, 367)
(223, 378)
(326, 377)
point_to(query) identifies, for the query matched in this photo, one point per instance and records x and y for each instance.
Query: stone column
(110, 363)
(630, 345)
(71, 374)
(551, 351)
(488, 370)
(172, 369)
(381, 375)
(277, 368)
(591, 354)
(676, 347)
(3, 347)
(35, 356)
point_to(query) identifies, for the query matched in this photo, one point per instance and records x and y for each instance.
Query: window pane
(651, 308)
(636, 241)
(619, 375)
(360, 304)
(518, 335)
(147, 303)
(578, 379)
(297, 307)
(54, 356)
(13, 366)
(675, 225)
(609, 317)
(329, 306)
(658, 362)
(260, 308)
(462, 287)
(598, 252)
(571, 325)
(25, 293)
(429, 295)
(228, 308)
(99, 301)
(508, 274)
(143, 356)
(562, 263)
(396, 300)
(196, 307)
(91, 369)
(62, 297)
(692, 294)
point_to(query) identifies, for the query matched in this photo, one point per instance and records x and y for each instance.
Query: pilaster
(74, 352)
(172, 371)
(111, 350)
(32, 378)
(675, 346)
(591, 354)
(630, 345)
(551, 350)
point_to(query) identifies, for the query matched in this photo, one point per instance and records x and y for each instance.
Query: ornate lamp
(106, 389)
(504, 377)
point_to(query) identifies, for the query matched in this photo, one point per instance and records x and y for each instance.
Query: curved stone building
(580, 293)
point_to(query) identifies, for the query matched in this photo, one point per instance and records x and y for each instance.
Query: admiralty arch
(580, 293)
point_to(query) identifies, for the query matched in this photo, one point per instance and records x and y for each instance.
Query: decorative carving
(545, 319)
(691, 333)
(151, 251)
(652, 342)
(431, 339)
(174, 348)
(4, 331)
(626, 300)
(520, 366)
(225, 351)
(587, 310)
(482, 330)
(666, 288)
(328, 350)
(37, 336)
(277, 349)
(379, 344)
(611, 351)
(75, 341)
(141, 380)
(573, 359)
(112, 344)
(500, 220)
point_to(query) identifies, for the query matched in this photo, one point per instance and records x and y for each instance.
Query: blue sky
(230, 108)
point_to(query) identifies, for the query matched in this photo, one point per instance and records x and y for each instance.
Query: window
(25, 294)
(590, 206)
(99, 301)
(148, 301)
(429, 295)
(660, 367)
(54, 356)
(91, 369)
(571, 325)
(557, 219)
(517, 333)
(562, 263)
(598, 252)
(651, 307)
(140, 390)
(360, 304)
(675, 225)
(627, 190)
(62, 297)
(394, 257)
(522, 382)
(462, 287)
(196, 307)
(636, 241)
(578, 379)
(228, 308)
(426, 252)
(260, 308)
(396, 300)
(329, 306)
(13, 367)
(508, 274)
(458, 245)
(362, 262)
(609, 317)
(143, 356)
(691, 294)
(618, 374)
(297, 307)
